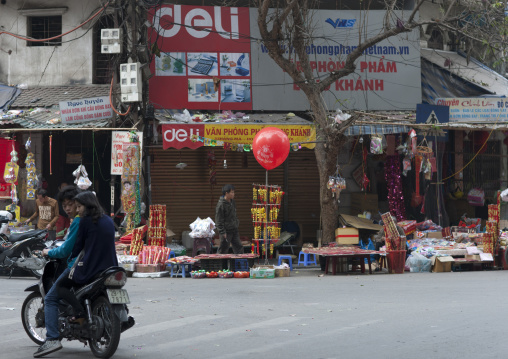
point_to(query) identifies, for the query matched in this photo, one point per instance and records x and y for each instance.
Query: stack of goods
(157, 225)
(181, 260)
(266, 204)
(409, 227)
(491, 241)
(153, 255)
(137, 240)
(394, 242)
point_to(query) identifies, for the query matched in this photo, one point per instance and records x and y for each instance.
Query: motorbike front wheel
(32, 317)
(106, 345)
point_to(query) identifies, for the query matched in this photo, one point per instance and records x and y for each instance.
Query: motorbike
(21, 250)
(105, 303)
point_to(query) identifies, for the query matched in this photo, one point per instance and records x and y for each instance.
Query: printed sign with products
(119, 138)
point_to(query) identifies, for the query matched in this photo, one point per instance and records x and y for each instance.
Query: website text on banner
(179, 136)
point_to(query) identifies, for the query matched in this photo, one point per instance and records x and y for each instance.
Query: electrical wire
(58, 36)
(111, 102)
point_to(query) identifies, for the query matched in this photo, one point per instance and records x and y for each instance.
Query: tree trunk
(326, 151)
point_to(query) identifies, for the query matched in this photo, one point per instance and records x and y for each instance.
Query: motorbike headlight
(116, 280)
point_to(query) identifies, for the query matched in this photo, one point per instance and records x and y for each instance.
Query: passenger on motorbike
(52, 343)
(96, 239)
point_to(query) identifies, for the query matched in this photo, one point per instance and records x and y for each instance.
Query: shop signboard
(479, 109)
(85, 110)
(204, 60)
(209, 60)
(118, 139)
(387, 74)
(193, 136)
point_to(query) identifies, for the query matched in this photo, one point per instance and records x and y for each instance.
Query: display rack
(266, 204)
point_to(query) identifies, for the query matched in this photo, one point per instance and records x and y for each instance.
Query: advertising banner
(387, 75)
(489, 109)
(119, 138)
(84, 110)
(179, 136)
(204, 60)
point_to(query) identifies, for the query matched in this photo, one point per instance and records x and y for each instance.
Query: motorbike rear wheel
(106, 345)
(32, 317)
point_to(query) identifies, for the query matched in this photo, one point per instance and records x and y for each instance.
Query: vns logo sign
(179, 136)
(197, 22)
(340, 23)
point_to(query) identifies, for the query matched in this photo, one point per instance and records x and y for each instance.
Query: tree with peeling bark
(288, 24)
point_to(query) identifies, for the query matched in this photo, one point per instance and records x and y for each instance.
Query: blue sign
(341, 22)
(432, 114)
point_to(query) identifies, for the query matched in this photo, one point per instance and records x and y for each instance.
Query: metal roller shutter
(303, 193)
(188, 194)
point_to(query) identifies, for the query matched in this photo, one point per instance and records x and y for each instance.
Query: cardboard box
(442, 264)
(283, 272)
(437, 235)
(148, 268)
(262, 272)
(475, 257)
(347, 236)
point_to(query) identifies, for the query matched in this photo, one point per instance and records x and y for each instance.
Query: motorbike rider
(52, 343)
(96, 242)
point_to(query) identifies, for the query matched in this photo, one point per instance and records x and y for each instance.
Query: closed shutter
(303, 193)
(188, 194)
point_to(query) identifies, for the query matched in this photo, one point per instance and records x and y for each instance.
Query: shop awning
(234, 129)
(451, 74)
(383, 129)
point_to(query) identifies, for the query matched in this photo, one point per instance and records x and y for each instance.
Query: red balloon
(270, 147)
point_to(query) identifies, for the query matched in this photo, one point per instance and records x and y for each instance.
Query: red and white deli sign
(179, 136)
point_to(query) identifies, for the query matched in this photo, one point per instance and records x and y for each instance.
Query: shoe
(49, 346)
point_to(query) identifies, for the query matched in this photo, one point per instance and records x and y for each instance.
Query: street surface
(420, 315)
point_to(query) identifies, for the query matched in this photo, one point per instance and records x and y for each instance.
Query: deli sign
(179, 136)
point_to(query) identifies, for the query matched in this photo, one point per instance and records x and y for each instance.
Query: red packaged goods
(409, 227)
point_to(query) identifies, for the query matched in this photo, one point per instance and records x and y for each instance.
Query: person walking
(227, 222)
(46, 208)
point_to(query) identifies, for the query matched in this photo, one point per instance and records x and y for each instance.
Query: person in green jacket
(227, 222)
(51, 300)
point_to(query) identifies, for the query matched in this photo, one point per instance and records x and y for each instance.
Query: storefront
(189, 180)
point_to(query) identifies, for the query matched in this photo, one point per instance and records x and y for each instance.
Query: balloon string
(50, 151)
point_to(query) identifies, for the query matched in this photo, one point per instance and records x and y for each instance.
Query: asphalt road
(419, 315)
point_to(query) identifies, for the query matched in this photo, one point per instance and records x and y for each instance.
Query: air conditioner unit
(130, 82)
(111, 41)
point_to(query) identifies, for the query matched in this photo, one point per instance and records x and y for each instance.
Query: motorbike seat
(16, 237)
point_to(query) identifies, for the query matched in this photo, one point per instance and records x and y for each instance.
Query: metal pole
(266, 222)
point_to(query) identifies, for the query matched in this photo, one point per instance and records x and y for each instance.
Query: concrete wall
(68, 64)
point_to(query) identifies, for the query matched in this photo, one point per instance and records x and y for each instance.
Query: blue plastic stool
(290, 260)
(180, 269)
(172, 255)
(306, 259)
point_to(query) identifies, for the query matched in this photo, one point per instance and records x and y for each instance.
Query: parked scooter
(21, 250)
(104, 300)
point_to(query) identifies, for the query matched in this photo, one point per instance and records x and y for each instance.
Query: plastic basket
(241, 265)
(215, 265)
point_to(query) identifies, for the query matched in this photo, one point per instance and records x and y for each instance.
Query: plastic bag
(369, 246)
(418, 263)
(202, 228)
(376, 145)
(504, 195)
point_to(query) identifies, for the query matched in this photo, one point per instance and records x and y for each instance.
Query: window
(44, 27)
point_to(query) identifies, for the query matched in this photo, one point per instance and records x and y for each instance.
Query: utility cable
(111, 102)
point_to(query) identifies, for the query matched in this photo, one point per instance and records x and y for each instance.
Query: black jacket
(225, 216)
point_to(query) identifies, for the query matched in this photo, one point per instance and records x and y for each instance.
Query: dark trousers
(233, 239)
(63, 288)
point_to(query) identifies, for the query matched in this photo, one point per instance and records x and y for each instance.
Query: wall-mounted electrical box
(130, 82)
(111, 41)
